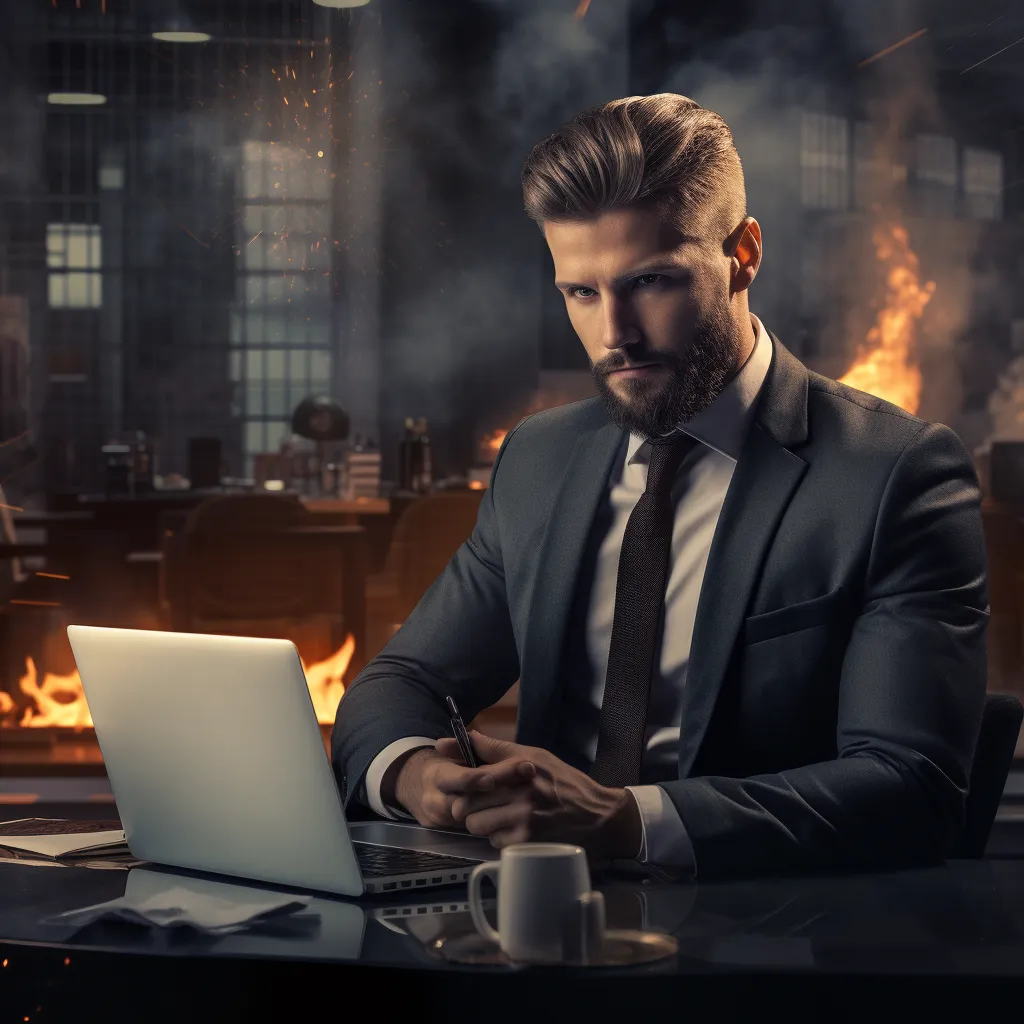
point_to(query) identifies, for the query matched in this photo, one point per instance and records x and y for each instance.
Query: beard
(689, 383)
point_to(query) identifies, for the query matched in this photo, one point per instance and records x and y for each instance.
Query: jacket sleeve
(458, 640)
(912, 690)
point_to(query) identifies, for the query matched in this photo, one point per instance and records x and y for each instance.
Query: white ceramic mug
(539, 886)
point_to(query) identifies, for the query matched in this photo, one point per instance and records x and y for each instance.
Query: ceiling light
(341, 3)
(76, 99)
(182, 37)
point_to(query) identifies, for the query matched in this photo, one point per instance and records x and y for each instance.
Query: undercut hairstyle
(663, 151)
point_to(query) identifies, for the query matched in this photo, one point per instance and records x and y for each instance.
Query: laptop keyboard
(376, 861)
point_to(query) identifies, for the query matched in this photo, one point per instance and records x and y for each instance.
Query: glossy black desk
(929, 944)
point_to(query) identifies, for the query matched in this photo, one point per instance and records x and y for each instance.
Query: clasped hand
(526, 794)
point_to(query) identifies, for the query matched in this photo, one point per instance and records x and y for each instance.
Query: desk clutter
(179, 907)
(57, 838)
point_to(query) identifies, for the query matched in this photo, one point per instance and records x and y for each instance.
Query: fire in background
(887, 364)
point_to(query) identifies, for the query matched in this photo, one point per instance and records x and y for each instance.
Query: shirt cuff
(378, 768)
(665, 840)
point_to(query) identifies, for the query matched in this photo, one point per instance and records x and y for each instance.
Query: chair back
(997, 741)
(239, 563)
(427, 534)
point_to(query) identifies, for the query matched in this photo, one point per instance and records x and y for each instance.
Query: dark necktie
(639, 608)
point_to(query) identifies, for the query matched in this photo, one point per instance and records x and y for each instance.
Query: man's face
(639, 294)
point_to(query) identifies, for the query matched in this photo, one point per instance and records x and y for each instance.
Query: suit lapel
(767, 474)
(560, 560)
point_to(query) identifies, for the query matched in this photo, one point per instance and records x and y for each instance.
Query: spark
(254, 237)
(991, 55)
(53, 575)
(13, 508)
(285, 98)
(38, 604)
(895, 46)
(192, 234)
(581, 10)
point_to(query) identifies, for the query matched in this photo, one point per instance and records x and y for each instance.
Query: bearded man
(746, 604)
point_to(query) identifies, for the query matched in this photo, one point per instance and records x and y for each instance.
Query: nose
(619, 325)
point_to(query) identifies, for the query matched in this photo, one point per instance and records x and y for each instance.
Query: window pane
(824, 161)
(983, 183)
(254, 364)
(58, 291)
(254, 398)
(297, 363)
(254, 437)
(320, 367)
(275, 363)
(276, 433)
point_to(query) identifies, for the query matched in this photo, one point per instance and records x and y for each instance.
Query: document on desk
(180, 906)
(59, 838)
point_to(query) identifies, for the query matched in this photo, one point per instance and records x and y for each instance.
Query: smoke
(760, 82)
(467, 270)
(466, 322)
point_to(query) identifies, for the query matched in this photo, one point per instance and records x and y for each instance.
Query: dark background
(418, 286)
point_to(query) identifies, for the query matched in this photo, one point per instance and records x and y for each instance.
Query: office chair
(997, 740)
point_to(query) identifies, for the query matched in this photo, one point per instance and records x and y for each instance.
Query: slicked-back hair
(663, 151)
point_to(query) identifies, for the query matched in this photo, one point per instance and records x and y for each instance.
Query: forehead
(614, 240)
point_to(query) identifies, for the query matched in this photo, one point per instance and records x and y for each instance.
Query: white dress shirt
(698, 494)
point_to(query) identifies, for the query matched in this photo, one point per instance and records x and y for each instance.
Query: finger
(494, 819)
(475, 780)
(471, 803)
(455, 779)
(508, 836)
(448, 747)
(490, 750)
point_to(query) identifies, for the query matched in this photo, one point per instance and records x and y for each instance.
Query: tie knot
(667, 454)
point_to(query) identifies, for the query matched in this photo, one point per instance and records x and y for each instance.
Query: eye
(644, 279)
(575, 292)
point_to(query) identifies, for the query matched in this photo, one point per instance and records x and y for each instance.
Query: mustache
(631, 365)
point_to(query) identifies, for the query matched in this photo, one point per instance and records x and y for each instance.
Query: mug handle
(489, 869)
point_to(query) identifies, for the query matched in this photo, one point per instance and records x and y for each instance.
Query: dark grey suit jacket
(837, 670)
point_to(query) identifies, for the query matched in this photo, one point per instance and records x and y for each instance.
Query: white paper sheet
(71, 844)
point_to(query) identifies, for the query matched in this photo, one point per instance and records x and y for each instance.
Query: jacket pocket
(794, 617)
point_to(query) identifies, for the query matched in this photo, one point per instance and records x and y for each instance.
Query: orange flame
(493, 441)
(60, 701)
(886, 365)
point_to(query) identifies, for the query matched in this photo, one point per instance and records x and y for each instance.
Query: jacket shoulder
(857, 413)
(573, 417)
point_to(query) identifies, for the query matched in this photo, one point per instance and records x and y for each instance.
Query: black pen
(461, 736)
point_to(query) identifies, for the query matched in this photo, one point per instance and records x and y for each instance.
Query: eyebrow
(654, 268)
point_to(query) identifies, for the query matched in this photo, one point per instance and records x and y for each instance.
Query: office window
(983, 184)
(74, 256)
(936, 175)
(281, 327)
(824, 161)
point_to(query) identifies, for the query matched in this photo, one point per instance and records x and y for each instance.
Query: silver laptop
(216, 763)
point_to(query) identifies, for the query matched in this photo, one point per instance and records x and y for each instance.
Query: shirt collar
(723, 424)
